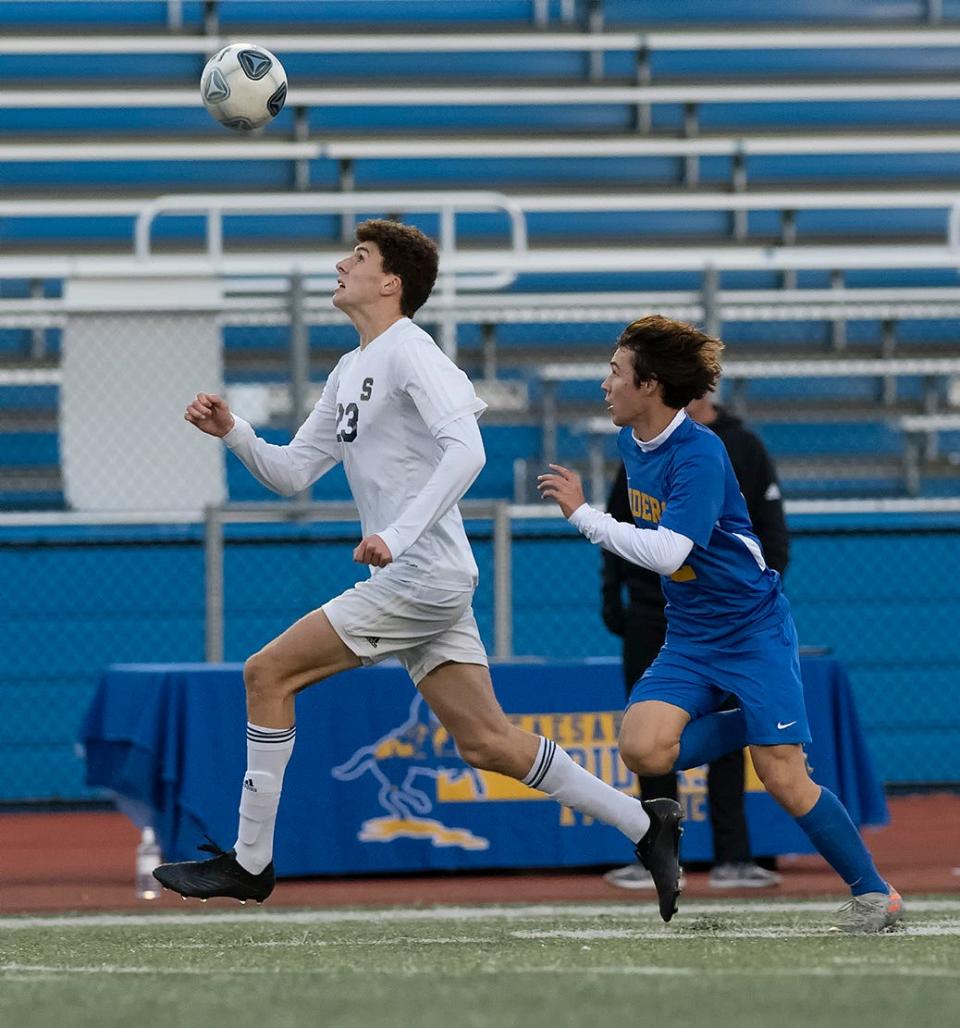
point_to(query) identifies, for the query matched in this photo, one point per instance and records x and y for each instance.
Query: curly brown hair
(408, 253)
(684, 360)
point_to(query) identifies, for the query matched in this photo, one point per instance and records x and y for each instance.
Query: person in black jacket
(642, 625)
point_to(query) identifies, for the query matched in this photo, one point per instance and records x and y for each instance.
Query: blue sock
(830, 829)
(706, 738)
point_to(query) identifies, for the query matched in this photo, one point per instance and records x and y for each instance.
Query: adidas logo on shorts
(373, 640)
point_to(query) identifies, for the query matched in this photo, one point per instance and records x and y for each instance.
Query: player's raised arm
(658, 549)
(288, 469)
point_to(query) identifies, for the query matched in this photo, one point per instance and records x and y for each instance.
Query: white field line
(771, 972)
(769, 932)
(621, 911)
(393, 940)
(572, 934)
(35, 972)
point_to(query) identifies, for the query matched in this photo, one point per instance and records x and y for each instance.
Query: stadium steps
(37, 161)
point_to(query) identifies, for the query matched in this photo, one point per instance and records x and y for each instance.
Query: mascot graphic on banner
(419, 748)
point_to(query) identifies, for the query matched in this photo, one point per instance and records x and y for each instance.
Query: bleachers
(813, 166)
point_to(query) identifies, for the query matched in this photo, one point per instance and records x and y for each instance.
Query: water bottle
(148, 857)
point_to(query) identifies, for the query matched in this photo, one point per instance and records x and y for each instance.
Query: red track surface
(66, 862)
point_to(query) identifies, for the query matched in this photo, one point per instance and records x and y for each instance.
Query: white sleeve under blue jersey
(687, 485)
(657, 550)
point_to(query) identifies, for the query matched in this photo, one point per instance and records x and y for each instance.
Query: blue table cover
(375, 784)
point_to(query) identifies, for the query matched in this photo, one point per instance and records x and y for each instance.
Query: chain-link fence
(78, 598)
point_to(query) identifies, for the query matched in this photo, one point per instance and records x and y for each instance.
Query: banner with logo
(376, 784)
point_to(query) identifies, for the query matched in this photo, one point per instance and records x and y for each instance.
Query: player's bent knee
(657, 763)
(782, 774)
(775, 782)
(647, 757)
(262, 678)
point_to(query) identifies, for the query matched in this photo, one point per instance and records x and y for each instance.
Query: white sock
(268, 750)
(557, 774)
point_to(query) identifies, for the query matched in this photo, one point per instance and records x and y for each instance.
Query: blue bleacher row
(212, 174)
(824, 172)
(642, 227)
(668, 118)
(522, 66)
(505, 444)
(235, 14)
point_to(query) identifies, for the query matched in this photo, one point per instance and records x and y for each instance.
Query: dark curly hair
(408, 253)
(684, 360)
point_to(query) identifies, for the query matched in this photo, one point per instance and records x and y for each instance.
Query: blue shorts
(762, 671)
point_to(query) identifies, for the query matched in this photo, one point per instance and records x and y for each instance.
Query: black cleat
(221, 875)
(659, 852)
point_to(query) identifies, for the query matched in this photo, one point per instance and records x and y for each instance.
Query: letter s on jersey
(366, 390)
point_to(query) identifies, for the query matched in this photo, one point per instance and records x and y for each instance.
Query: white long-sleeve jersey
(402, 417)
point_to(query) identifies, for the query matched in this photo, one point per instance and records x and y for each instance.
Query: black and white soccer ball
(243, 86)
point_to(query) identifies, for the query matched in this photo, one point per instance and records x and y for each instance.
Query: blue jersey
(724, 591)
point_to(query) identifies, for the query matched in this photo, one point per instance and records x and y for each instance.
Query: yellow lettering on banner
(568, 730)
(692, 793)
(590, 737)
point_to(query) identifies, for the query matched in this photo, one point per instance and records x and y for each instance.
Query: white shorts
(398, 614)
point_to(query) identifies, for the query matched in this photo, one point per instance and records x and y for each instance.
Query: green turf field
(734, 963)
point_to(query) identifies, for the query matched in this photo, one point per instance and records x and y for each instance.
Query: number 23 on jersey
(348, 417)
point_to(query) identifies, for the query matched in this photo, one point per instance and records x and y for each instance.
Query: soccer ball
(243, 86)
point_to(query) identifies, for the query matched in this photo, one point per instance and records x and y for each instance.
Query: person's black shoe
(221, 875)
(659, 852)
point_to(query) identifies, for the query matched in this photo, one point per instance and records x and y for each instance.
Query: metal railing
(238, 513)
(499, 264)
(447, 204)
(399, 148)
(694, 95)
(881, 37)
